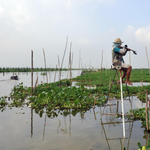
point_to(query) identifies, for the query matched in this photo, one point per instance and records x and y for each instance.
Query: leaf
(149, 142)
(139, 145)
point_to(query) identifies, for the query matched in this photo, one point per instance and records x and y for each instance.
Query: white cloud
(143, 34)
(20, 15)
(1, 10)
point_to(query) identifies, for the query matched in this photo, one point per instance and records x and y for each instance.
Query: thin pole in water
(31, 70)
(122, 107)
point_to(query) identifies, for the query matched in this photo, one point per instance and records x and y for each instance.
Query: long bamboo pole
(55, 74)
(45, 66)
(130, 63)
(70, 62)
(32, 92)
(59, 66)
(122, 108)
(147, 60)
(31, 70)
(63, 58)
(79, 62)
(49, 76)
(101, 68)
(146, 111)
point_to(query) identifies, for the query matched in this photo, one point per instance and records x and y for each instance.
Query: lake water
(23, 128)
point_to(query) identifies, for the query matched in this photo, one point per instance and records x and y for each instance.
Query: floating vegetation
(52, 97)
(147, 147)
(138, 114)
(43, 73)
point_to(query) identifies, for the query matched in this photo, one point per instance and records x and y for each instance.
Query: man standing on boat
(117, 60)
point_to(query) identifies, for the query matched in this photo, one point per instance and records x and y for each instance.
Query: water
(22, 128)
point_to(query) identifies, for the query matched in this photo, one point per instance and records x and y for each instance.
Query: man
(117, 60)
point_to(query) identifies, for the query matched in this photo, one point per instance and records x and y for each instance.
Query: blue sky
(91, 26)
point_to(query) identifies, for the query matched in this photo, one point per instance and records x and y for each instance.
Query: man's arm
(120, 50)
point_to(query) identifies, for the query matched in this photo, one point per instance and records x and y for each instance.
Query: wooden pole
(59, 67)
(55, 74)
(63, 59)
(70, 62)
(146, 110)
(79, 62)
(32, 92)
(31, 70)
(101, 68)
(45, 66)
(49, 76)
(147, 60)
(130, 63)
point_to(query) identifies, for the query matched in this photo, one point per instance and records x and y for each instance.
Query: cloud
(20, 15)
(143, 34)
(1, 10)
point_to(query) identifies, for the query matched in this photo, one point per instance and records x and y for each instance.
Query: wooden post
(31, 70)
(32, 92)
(45, 66)
(101, 68)
(63, 59)
(149, 109)
(49, 76)
(146, 111)
(147, 60)
(55, 74)
(70, 62)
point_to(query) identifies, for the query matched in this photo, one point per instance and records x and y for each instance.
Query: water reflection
(112, 109)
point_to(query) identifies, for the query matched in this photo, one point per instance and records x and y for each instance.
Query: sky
(91, 27)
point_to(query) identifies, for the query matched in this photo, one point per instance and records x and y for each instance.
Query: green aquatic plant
(66, 98)
(19, 92)
(138, 114)
(147, 147)
(3, 101)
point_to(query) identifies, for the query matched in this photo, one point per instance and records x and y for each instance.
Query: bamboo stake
(149, 109)
(70, 124)
(122, 108)
(130, 63)
(101, 68)
(70, 62)
(31, 70)
(147, 60)
(59, 66)
(94, 114)
(63, 59)
(90, 82)
(36, 83)
(94, 103)
(49, 76)
(55, 74)
(32, 92)
(79, 62)
(45, 66)
(146, 111)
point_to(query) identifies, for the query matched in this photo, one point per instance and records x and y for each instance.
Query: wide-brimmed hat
(118, 40)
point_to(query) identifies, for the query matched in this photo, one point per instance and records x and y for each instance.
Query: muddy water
(22, 128)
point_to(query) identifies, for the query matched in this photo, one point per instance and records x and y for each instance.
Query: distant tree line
(28, 69)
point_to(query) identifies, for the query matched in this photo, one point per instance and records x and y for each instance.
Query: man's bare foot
(128, 82)
(122, 81)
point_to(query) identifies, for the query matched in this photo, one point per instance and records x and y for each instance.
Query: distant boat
(14, 77)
